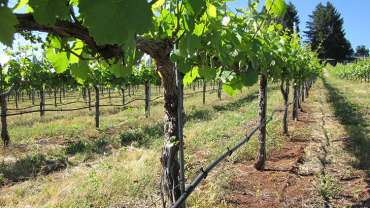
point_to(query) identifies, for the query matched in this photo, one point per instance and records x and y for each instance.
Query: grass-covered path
(341, 154)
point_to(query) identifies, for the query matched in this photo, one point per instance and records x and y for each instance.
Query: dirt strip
(313, 169)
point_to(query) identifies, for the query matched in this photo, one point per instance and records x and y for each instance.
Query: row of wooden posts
(17, 96)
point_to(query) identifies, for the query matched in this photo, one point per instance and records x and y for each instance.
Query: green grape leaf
(196, 6)
(276, 7)
(250, 77)
(58, 60)
(77, 49)
(183, 65)
(191, 75)
(48, 11)
(166, 20)
(188, 23)
(236, 83)
(118, 70)
(73, 2)
(158, 4)
(189, 44)
(211, 10)
(55, 42)
(226, 76)
(8, 21)
(80, 71)
(208, 73)
(112, 21)
(228, 89)
(131, 55)
(199, 29)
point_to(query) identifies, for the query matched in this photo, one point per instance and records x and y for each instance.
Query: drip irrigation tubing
(229, 151)
(77, 109)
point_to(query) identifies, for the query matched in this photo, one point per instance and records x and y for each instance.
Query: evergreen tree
(362, 51)
(291, 18)
(326, 34)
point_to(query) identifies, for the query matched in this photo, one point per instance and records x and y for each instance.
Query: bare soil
(312, 169)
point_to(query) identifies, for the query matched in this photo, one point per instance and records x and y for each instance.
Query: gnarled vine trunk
(170, 181)
(4, 125)
(147, 98)
(55, 98)
(97, 103)
(285, 93)
(83, 92)
(169, 159)
(307, 88)
(123, 94)
(302, 92)
(261, 154)
(109, 95)
(33, 96)
(64, 91)
(204, 91)
(89, 97)
(219, 89)
(299, 98)
(295, 102)
(60, 95)
(16, 98)
(42, 103)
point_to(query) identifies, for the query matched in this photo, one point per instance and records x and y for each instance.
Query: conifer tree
(326, 34)
(291, 18)
(362, 51)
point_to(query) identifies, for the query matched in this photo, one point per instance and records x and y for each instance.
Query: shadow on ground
(142, 137)
(356, 125)
(208, 114)
(236, 104)
(33, 165)
(29, 167)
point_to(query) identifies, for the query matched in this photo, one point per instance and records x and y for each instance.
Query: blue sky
(355, 13)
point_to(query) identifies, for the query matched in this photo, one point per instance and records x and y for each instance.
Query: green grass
(350, 101)
(341, 108)
(119, 164)
(211, 138)
(328, 187)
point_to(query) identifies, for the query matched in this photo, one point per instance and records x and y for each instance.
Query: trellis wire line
(114, 95)
(76, 109)
(47, 97)
(46, 104)
(79, 101)
(58, 105)
(85, 107)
